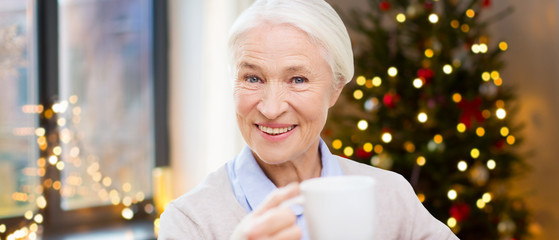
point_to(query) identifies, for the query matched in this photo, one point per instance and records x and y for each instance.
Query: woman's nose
(273, 103)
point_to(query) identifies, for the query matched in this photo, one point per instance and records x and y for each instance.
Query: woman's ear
(338, 87)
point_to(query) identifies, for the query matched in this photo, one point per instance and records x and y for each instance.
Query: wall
(533, 67)
(203, 127)
(532, 32)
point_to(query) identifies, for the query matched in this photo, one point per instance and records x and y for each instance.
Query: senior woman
(291, 59)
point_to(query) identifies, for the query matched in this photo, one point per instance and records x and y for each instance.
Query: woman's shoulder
(214, 191)
(210, 210)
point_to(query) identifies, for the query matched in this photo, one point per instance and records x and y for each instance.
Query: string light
(461, 127)
(429, 53)
(491, 164)
(486, 197)
(337, 144)
(409, 146)
(421, 197)
(421, 161)
(60, 166)
(501, 113)
(480, 131)
(433, 18)
(452, 194)
(495, 75)
(358, 94)
(41, 202)
(462, 166)
(386, 137)
(476, 48)
(377, 81)
(400, 17)
(511, 139)
(127, 213)
(451, 222)
(422, 117)
(417, 83)
(465, 28)
(486, 114)
(438, 139)
(392, 71)
(456, 97)
(486, 76)
(470, 13)
(40, 132)
(368, 147)
(498, 82)
(378, 149)
(474, 153)
(53, 160)
(348, 151)
(483, 48)
(360, 80)
(362, 125)
(480, 203)
(447, 69)
(455, 24)
(504, 131)
(38, 218)
(500, 103)
(503, 46)
(28, 215)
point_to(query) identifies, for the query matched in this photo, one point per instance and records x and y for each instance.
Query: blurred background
(109, 109)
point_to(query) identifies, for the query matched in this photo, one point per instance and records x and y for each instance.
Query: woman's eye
(252, 79)
(299, 80)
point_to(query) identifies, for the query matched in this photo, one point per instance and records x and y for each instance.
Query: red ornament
(361, 153)
(384, 5)
(460, 211)
(470, 111)
(486, 3)
(425, 74)
(500, 144)
(390, 99)
(428, 5)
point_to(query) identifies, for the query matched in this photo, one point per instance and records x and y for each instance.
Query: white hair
(315, 17)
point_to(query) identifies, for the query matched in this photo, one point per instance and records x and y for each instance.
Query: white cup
(339, 207)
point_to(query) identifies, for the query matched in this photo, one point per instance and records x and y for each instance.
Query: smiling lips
(275, 131)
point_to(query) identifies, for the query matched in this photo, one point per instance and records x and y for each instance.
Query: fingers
(277, 197)
(293, 232)
(274, 221)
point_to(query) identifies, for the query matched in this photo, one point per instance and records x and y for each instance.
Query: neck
(307, 166)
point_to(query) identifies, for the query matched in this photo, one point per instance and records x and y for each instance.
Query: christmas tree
(429, 103)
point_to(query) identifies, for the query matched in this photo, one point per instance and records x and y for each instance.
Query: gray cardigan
(211, 211)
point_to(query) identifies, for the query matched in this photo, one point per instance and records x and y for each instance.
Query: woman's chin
(273, 156)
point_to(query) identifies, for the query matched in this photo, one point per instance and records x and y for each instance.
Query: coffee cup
(341, 207)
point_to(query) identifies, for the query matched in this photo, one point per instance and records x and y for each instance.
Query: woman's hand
(271, 220)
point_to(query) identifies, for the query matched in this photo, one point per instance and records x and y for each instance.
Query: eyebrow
(296, 68)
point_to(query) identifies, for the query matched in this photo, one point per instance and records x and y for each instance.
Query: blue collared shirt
(251, 186)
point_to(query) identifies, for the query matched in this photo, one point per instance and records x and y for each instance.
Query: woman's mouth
(275, 131)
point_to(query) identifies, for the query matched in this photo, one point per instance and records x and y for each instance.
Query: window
(18, 107)
(106, 102)
(80, 132)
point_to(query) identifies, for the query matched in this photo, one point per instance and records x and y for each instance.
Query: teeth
(275, 131)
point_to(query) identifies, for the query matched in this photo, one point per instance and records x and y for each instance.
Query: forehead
(279, 41)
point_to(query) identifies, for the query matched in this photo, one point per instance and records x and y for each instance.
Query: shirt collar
(255, 185)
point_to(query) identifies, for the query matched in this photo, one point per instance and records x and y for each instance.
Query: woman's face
(282, 93)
